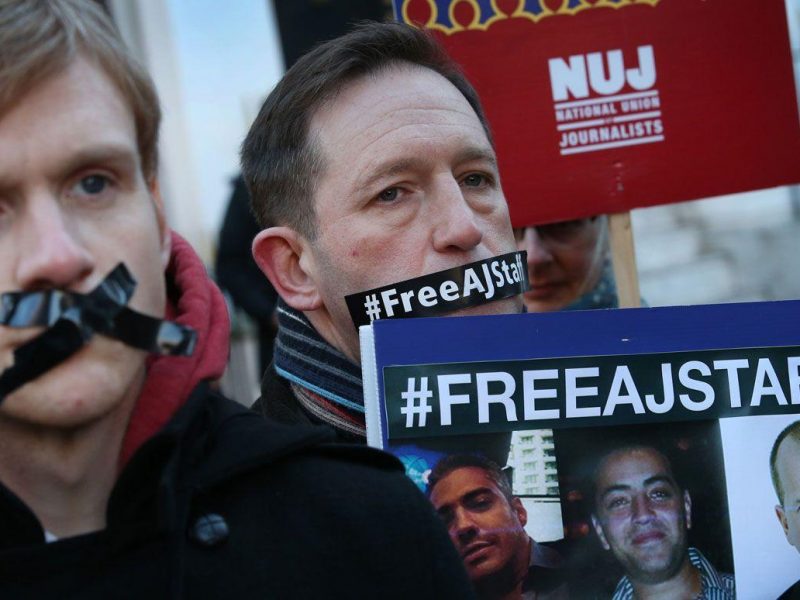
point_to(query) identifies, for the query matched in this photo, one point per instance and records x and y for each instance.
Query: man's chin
(82, 389)
(655, 568)
(482, 569)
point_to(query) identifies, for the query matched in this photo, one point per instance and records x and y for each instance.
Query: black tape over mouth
(436, 294)
(73, 318)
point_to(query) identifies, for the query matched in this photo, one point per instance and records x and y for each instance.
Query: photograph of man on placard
(486, 522)
(783, 462)
(501, 507)
(647, 510)
(761, 464)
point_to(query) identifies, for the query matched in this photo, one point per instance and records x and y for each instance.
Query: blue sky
(229, 58)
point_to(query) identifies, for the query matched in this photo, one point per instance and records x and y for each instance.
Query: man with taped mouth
(371, 163)
(643, 516)
(122, 474)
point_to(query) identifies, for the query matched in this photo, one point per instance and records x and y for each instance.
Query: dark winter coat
(223, 504)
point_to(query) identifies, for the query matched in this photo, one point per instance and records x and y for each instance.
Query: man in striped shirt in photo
(643, 516)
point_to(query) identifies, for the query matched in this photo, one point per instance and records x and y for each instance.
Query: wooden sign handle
(623, 257)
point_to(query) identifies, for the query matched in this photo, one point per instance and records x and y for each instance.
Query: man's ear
(781, 514)
(687, 507)
(599, 531)
(164, 233)
(519, 508)
(285, 257)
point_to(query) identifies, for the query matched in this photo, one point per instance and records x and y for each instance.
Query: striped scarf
(324, 381)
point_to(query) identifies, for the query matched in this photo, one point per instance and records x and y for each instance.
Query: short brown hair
(40, 38)
(279, 162)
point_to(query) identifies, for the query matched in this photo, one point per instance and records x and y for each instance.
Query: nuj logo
(602, 73)
(601, 102)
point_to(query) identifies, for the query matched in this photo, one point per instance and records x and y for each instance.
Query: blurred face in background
(565, 260)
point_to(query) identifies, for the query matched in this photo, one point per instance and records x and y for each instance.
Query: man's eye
(91, 185)
(617, 503)
(475, 180)
(564, 229)
(661, 494)
(389, 194)
(480, 503)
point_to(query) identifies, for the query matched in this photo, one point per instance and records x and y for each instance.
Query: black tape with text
(442, 292)
(483, 397)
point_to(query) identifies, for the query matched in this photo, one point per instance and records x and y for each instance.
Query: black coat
(223, 504)
(793, 593)
(237, 272)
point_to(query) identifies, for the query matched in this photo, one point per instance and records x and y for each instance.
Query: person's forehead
(79, 105)
(461, 482)
(376, 102)
(632, 467)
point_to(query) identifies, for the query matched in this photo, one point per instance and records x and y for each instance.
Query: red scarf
(198, 303)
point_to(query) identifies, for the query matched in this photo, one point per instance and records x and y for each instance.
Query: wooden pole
(623, 257)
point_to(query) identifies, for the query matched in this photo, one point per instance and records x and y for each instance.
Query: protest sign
(601, 106)
(550, 395)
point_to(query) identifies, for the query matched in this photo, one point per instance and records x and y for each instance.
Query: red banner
(601, 106)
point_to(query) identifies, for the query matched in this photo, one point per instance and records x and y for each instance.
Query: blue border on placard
(583, 333)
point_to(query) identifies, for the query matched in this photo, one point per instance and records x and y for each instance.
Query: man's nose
(457, 225)
(537, 248)
(641, 511)
(463, 528)
(51, 253)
